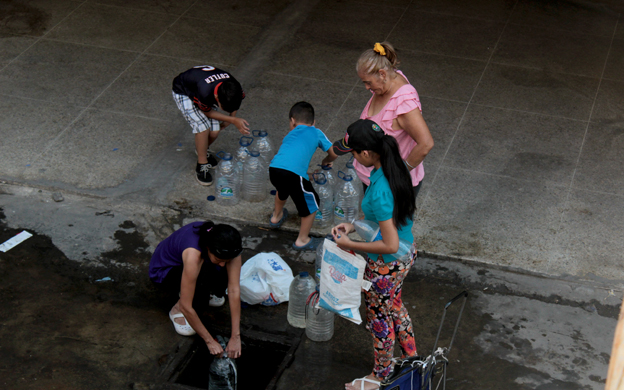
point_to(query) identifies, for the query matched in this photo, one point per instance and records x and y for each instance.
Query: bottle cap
(304, 274)
(224, 155)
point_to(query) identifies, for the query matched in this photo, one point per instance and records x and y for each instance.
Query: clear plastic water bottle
(350, 169)
(300, 289)
(319, 322)
(346, 200)
(222, 374)
(357, 183)
(254, 187)
(263, 145)
(370, 232)
(241, 154)
(228, 180)
(329, 175)
(325, 214)
(318, 260)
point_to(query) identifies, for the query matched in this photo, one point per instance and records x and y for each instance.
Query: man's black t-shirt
(199, 85)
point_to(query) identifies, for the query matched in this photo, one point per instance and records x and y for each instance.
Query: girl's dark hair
(222, 240)
(399, 179)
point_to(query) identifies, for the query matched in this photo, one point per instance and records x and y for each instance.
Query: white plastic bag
(265, 279)
(342, 274)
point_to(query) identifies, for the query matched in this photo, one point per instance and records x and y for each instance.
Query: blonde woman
(395, 107)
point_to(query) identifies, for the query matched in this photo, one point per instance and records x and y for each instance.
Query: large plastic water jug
(357, 183)
(241, 154)
(262, 144)
(319, 322)
(300, 289)
(350, 169)
(346, 200)
(329, 175)
(228, 180)
(254, 187)
(325, 214)
(370, 232)
(318, 259)
(222, 374)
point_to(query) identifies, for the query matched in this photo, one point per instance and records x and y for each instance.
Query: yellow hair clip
(379, 49)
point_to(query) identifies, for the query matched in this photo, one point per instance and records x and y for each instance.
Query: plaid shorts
(194, 116)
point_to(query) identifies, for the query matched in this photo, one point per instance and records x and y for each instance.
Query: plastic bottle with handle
(370, 232)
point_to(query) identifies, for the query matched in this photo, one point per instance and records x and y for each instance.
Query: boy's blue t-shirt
(298, 147)
(378, 205)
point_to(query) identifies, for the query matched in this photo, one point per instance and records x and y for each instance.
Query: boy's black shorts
(299, 189)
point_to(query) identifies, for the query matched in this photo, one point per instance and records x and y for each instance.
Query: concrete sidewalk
(523, 98)
(61, 328)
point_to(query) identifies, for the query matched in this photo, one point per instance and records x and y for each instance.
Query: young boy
(199, 93)
(288, 171)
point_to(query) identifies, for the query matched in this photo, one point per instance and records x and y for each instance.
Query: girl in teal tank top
(388, 200)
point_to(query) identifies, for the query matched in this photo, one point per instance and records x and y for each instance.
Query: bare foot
(369, 382)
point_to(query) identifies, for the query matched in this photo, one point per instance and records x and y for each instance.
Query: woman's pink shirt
(404, 100)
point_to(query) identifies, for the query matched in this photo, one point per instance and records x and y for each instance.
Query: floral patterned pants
(386, 316)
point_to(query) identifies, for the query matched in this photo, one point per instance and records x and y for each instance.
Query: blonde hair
(372, 61)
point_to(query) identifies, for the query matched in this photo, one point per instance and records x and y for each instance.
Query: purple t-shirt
(168, 253)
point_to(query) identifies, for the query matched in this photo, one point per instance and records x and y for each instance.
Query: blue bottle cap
(211, 198)
(273, 192)
(304, 274)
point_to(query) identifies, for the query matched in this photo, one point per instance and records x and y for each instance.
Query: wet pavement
(60, 328)
(521, 204)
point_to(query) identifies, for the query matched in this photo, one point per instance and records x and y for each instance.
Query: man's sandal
(363, 380)
(184, 330)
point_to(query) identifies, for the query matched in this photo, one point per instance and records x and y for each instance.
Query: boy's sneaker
(212, 160)
(216, 301)
(203, 174)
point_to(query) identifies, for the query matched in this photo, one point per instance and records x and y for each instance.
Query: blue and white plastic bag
(342, 275)
(265, 279)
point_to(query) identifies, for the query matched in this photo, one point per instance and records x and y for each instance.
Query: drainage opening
(263, 359)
